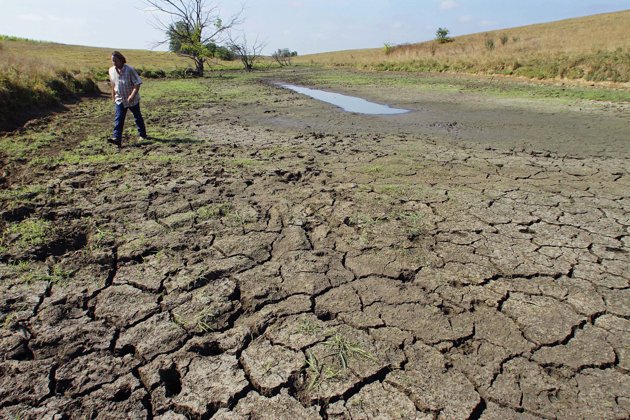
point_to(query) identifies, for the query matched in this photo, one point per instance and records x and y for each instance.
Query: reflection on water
(347, 103)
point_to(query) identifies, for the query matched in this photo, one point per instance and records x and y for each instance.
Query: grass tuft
(334, 365)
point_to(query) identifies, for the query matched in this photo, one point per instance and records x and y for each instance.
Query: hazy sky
(305, 26)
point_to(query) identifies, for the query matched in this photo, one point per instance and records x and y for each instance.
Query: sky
(305, 26)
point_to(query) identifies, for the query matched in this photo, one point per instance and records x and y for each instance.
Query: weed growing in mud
(266, 367)
(318, 373)
(214, 211)
(373, 169)
(308, 327)
(367, 226)
(413, 221)
(98, 237)
(31, 232)
(240, 218)
(334, 365)
(56, 275)
(344, 349)
(102, 235)
(203, 320)
(22, 267)
(24, 146)
(27, 272)
(8, 321)
(364, 221)
(21, 194)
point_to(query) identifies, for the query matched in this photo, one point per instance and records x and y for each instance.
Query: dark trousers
(119, 121)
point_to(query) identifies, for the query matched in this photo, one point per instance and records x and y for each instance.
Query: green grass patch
(214, 211)
(20, 194)
(178, 89)
(30, 232)
(25, 146)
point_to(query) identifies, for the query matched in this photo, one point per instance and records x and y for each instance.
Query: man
(125, 94)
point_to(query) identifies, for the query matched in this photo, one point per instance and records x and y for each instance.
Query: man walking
(125, 94)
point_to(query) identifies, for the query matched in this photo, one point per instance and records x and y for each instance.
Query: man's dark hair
(119, 56)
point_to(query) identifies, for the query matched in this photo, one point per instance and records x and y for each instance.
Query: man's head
(118, 59)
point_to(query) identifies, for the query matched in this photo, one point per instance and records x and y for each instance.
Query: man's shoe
(115, 142)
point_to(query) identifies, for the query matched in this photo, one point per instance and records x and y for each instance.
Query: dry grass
(28, 83)
(594, 48)
(90, 60)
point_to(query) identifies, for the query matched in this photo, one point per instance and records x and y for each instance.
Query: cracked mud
(277, 258)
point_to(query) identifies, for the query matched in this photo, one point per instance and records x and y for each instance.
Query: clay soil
(265, 255)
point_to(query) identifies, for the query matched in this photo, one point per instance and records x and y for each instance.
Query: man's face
(117, 62)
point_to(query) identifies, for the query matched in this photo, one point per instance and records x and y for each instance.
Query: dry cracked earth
(263, 266)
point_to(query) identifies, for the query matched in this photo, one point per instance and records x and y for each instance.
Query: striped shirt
(124, 83)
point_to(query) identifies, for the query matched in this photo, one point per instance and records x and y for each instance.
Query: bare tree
(192, 27)
(283, 56)
(249, 54)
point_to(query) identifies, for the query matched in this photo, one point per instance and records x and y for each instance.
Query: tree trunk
(199, 66)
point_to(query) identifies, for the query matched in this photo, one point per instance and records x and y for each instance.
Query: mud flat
(266, 255)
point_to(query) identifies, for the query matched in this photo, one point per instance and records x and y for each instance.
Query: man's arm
(134, 92)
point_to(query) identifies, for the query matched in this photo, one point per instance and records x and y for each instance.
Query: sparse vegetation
(214, 211)
(308, 327)
(333, 365)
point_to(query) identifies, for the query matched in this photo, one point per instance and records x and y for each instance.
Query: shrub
(154, 74)
(489, 44)
(504, 39)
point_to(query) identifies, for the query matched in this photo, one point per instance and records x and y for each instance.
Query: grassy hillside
(91, 60)
(593, 48)
(35, 75)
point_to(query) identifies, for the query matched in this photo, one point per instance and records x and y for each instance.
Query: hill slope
(593, 48)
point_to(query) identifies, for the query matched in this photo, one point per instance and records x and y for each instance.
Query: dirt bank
(267, 255)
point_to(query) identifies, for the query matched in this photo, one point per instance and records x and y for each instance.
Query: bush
(154, 74)
(504, 39)
(489, 44)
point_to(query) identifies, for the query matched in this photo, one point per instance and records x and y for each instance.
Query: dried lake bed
(266, 254)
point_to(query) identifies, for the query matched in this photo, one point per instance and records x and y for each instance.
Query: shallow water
(345, 102)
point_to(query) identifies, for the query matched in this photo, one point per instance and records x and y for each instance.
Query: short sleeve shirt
(124, 84)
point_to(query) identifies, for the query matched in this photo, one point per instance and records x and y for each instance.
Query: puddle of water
(345, 102)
